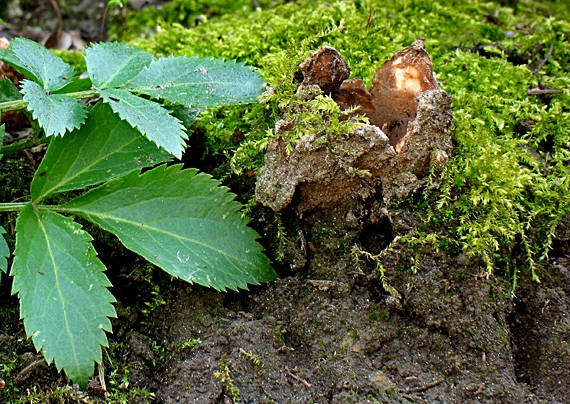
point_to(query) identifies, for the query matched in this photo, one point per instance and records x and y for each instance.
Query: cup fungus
(409, 133)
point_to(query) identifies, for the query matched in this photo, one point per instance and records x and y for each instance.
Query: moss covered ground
(502, 197)
(506, 186)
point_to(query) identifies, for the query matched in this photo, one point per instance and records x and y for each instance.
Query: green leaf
(104, 148)
(37, 63)
(55, 113)
(9, 57)
(185, 223)
(64, 300)
(114, 64)
(8, 91)
(187, 116)
(4, 251)
(149, 117)
(199, 82)
(76, 85)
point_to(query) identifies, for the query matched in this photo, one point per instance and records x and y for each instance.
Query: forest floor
(454, 336)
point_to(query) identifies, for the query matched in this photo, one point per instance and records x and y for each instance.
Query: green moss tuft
(507, 182)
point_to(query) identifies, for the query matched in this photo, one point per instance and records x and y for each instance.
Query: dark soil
(454, 337)
(327, 331)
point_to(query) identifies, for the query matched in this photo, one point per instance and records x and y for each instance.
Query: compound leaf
(64, 300)
(199, 82)
(55, 113)
(150, 118)
(37, 63)
(4, 251)
(114, 64)
(104, 148)
(181, 221)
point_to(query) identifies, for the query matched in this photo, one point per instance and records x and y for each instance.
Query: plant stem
(21, 104)
(21, 145)
(12, 207)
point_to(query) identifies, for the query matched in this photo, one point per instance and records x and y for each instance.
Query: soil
(453, 337)
(327, 330)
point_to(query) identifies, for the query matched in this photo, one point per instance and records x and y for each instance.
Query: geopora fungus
(409, 132)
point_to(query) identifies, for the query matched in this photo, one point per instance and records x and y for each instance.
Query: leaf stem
(12, 207)
(56, 208)
(21, 145)
(21, 104)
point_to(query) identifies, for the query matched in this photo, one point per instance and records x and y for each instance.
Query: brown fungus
(392, 101)
(409, 132)
(324, 68)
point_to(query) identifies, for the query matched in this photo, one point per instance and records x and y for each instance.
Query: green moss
(503, 185)
(74, 58)
(185, 12)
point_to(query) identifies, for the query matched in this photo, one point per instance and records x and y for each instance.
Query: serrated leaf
(8, 91)
(181, 221)
(199, 82)
(187, 116)
(64, 300)
(4, 251)
(37, 63)
(149, 117)
(104, 148)
(55, 113)
(114, 64)
(7, 56)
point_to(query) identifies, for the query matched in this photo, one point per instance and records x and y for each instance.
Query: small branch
(297, 378)
(23, 375)
(540, 91)
(543, 61)
(536, 71)
(424, 388)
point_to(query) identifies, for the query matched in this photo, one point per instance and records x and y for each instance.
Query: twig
(543, 61)
(24, 373)
(540, 91)
(424, 388)
(536, 71)
(300, 380)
